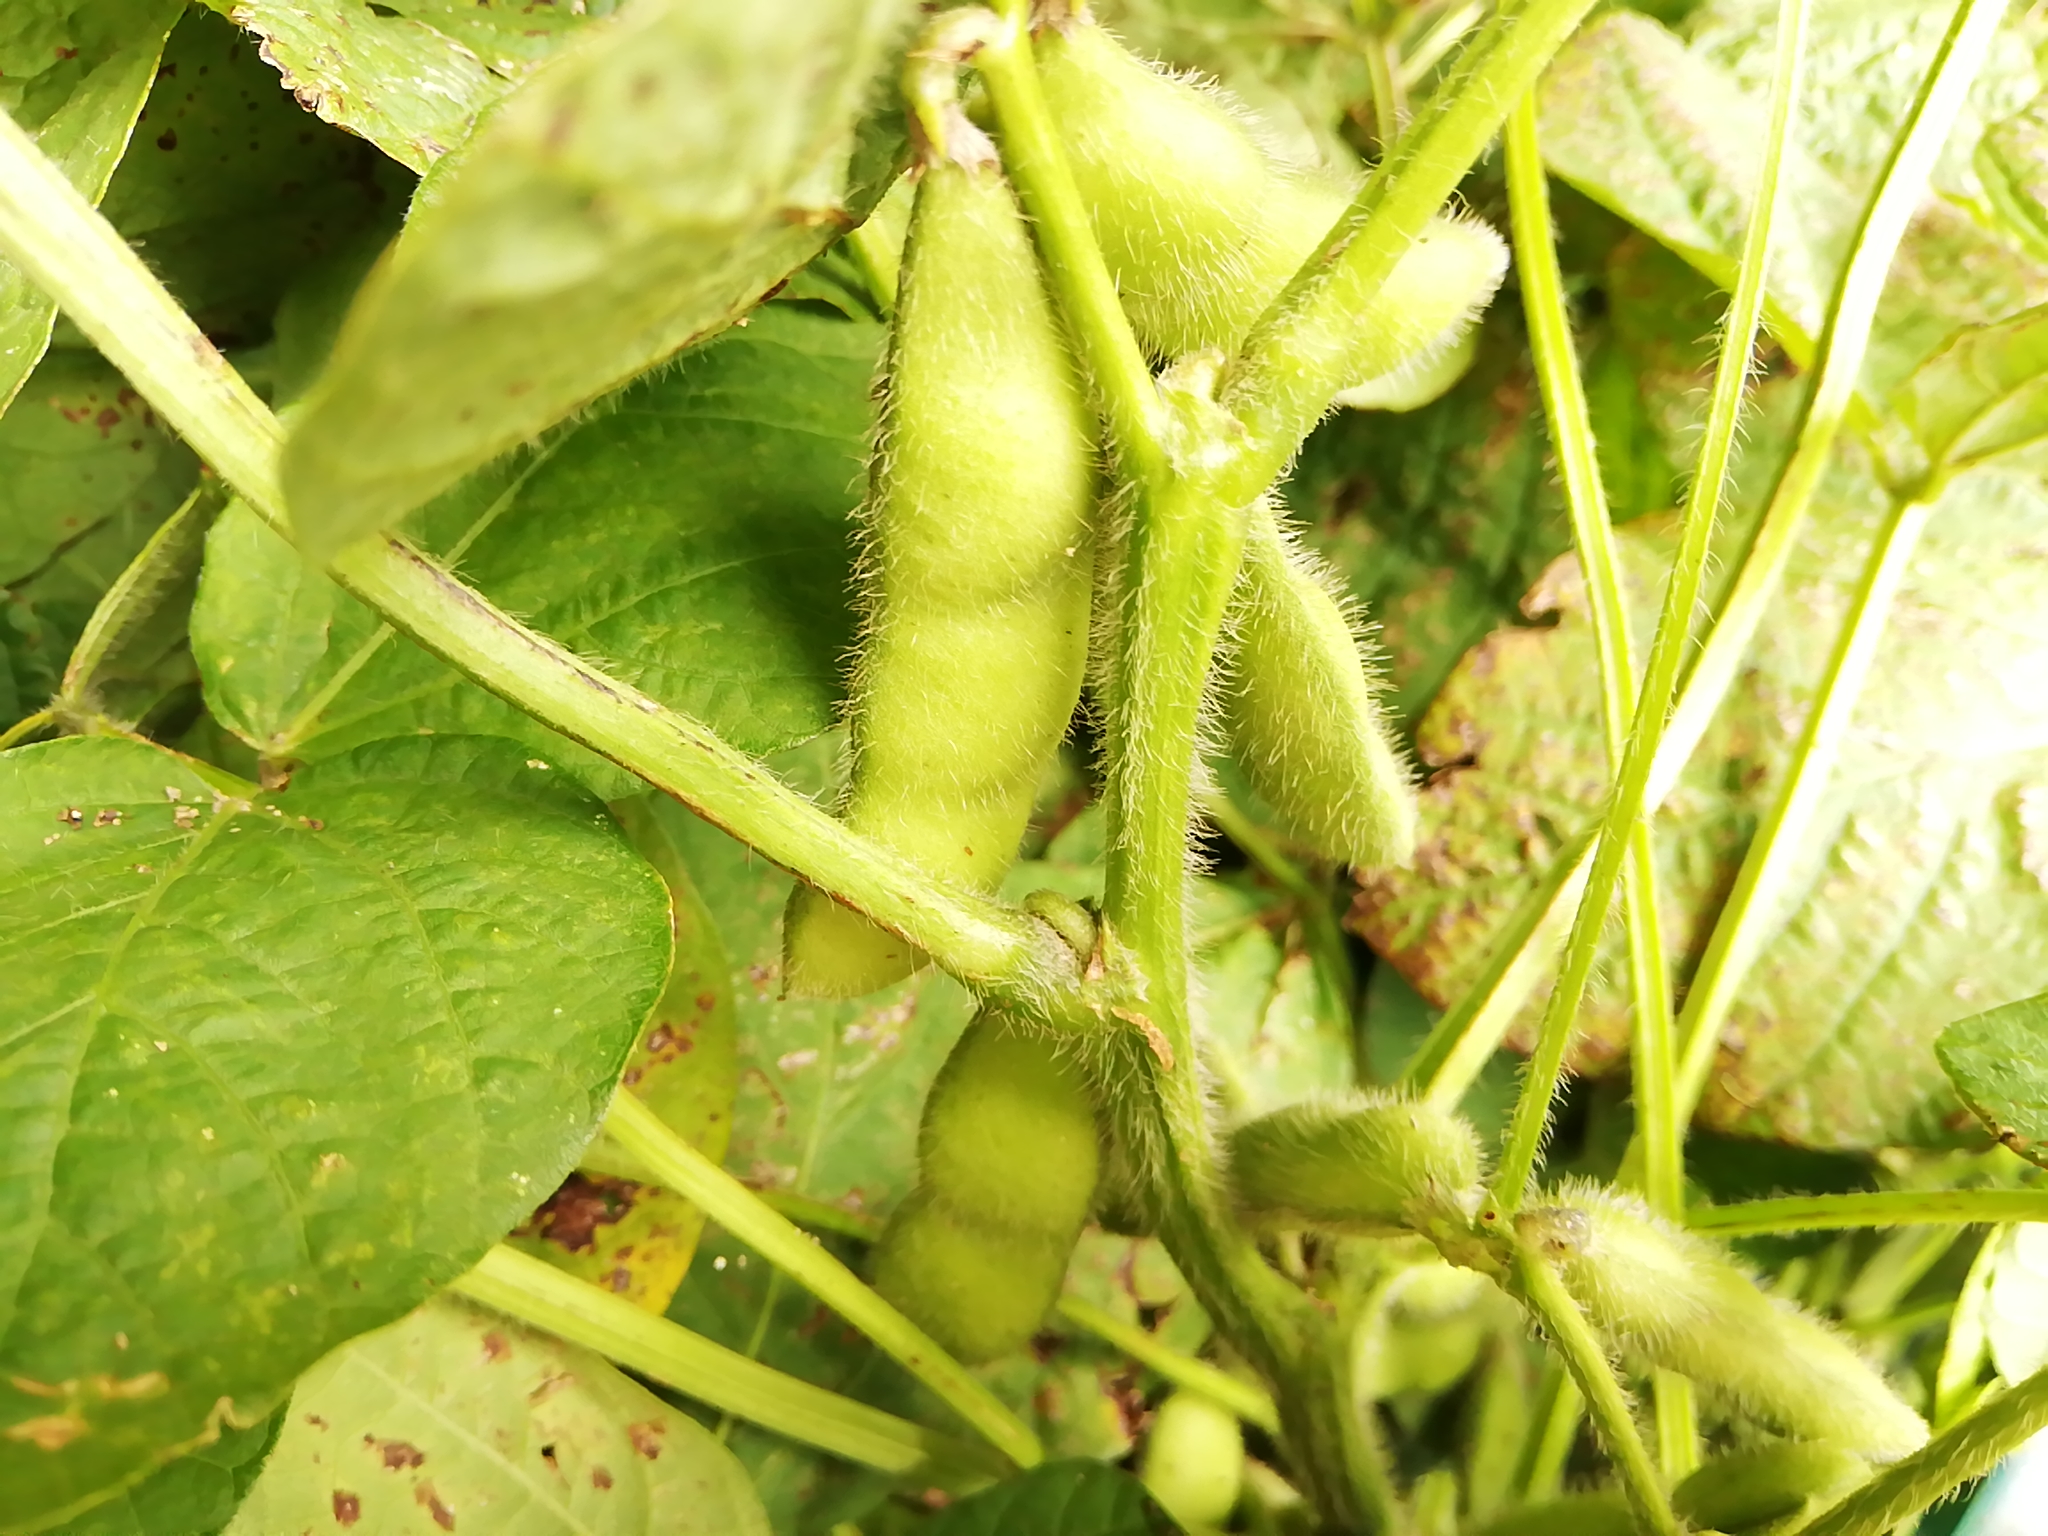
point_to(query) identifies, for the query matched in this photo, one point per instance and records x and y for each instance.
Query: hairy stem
(1565, 1326)
(1301, 353)
(538, 1294)
(677, 1165)
(1875, 1208)
(1966, 1449)
(1761, 886)
(1626, 804)
(63, 244)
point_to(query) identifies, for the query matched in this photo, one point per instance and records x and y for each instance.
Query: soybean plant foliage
(890, 769)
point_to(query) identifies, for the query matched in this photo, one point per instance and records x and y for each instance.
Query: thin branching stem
(1874, 1208)
(1626, 803)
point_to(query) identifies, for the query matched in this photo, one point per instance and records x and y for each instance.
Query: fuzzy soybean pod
(1365, 1162)
(1193, 1461)
(1762, 1487)
(1302, 711)
(1203, 224)
(1009, 1152)
(977, 570)
(1673, 1300)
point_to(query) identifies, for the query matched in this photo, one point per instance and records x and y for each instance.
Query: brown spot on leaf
(401, 1453)
(571, 1216)
(600, 1479)
(348, 1509)
(646, 1437)
(430, 1501)
(168, 139)
(495, 1348)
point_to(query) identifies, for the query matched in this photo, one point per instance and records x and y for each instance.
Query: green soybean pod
(1758, 1487)
(1676, 1301)
(1203, 224)
(1302, 712)
(1365, 1162)
(1193, 1461)
(977, 571)
(1009, 1154)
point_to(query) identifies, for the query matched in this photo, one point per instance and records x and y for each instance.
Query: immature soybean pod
(1009, 1153)
(977, 569)
(1203, 225)
(1303, 717)
(1675, 1301)
(1364, 1162)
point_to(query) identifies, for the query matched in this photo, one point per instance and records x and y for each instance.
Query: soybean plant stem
(1565, 1326)
(62, 243)
(1966, 1449)
(538, 1294)
(1301, 352)
(1080, 277)
(1626, 803)
(1251, 1403)
(1757, 896)
(1875, 1208)
(676, 1164)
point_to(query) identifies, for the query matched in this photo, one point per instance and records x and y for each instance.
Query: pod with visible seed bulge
(1009, 1153)
(1369, 1163)
(1673, 1300)
(1747, 1490)
(1203, 225)
(1193, 1461)
(1302, 713)
(977, 571)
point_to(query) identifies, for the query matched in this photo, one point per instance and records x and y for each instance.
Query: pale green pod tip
(1193, 1461)
(979, 1292)
(1743, 1490)
(1674, 1300)
(832, 951)
(1302, 712)
(1364, 1162)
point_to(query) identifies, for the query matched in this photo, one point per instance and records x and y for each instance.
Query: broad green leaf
(1274, 1033)
(1997, 1062)
(276, 1066)
(641, 189)
(1666, 137)
(1984, 395)
(636, 1239)
(196, 1495)
(2016, 1307)
(87, 473)
(694, 537)
(1864, 60)
(73, 75)
(1060, 1498)
(456, 1419)
(412, 77)
(1921, 895)
(231, 187)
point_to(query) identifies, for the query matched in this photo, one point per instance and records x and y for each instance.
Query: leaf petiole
(1872, 1208)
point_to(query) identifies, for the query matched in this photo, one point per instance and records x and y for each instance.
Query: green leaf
(636, 1239)
(642, 189)
(87, 473)
(1921, 895)
(196, 1495)
(1984, 395)
(413, 77)
(1998, 1063)
(276, 1067)
(455, 1418)
(2012, 163)
(73, 75)
(694, 538)
(1060, 1498)
(1666, 137)
(231, 187)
